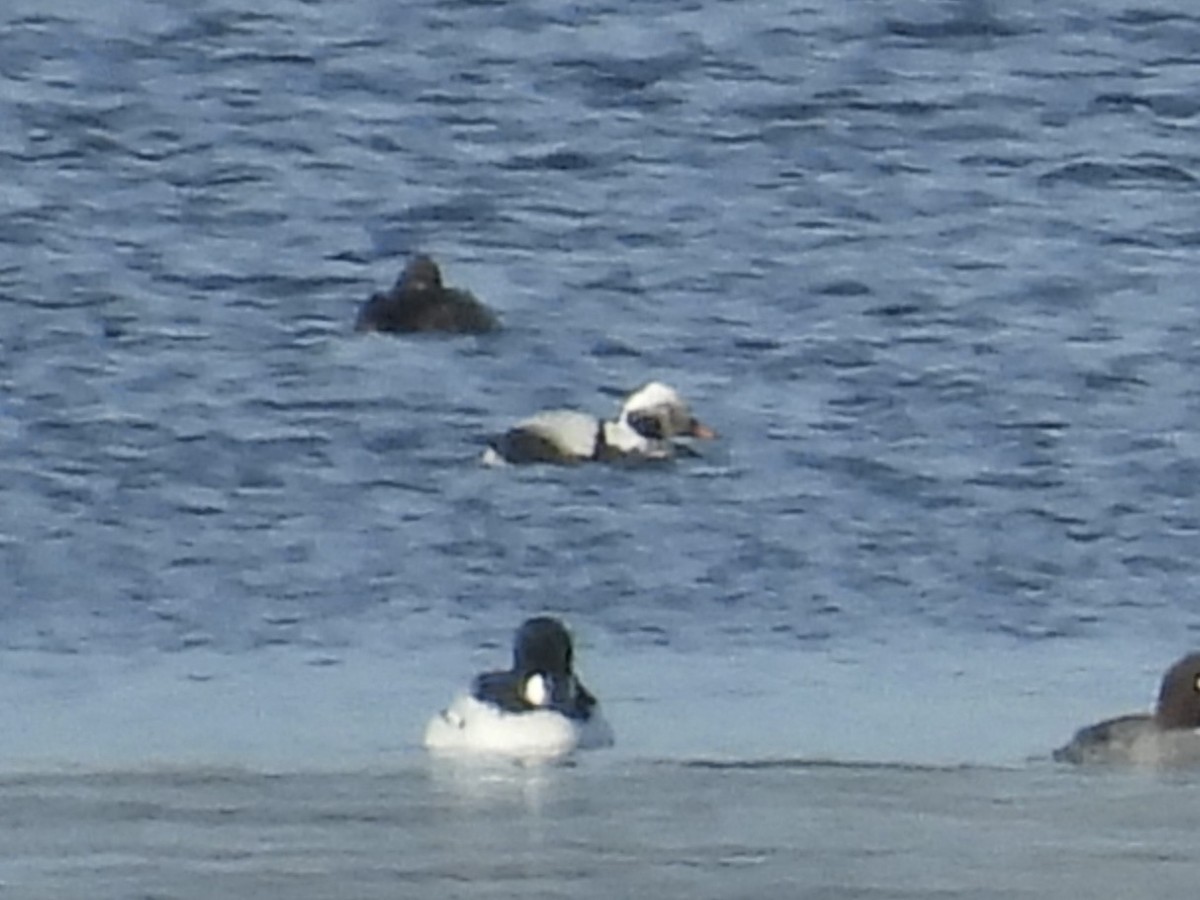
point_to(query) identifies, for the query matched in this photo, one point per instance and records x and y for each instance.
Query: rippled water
(927, 266)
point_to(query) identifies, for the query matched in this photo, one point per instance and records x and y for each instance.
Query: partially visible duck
(419, 302)
(649, 420)
(1168, 736)
(538, 708)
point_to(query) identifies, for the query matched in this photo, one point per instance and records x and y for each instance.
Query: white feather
(491, 458)
(537, 693)
(621, 436)
(571, 431)
(471, 726)
(651, 395)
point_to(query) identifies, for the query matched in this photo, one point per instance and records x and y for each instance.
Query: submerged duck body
(649, 420)
(420, 302)
(538, 708)
(1167, 737)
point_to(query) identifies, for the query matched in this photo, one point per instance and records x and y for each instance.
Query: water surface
(927, 266)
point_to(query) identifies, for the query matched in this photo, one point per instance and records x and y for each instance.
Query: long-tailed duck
(538, 708)
(419, 302)
(649, 419)
(1167, 737)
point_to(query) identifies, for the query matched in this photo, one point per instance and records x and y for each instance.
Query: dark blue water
(928, 267)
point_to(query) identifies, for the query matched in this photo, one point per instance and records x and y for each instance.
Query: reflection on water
(495, 788)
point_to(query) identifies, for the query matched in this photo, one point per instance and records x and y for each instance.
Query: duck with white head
(646, 428)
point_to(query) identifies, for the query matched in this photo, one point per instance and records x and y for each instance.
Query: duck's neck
(623, 437)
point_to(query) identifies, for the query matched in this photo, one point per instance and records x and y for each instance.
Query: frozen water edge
(287, 709)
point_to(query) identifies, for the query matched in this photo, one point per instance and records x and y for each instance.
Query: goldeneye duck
(649, 420)
(538, 708)
(1167, 737)
(420, 302)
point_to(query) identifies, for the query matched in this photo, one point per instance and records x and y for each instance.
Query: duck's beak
(702, 431)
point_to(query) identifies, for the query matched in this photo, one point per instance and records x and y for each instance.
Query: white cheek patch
(536, 691)
(650, 395)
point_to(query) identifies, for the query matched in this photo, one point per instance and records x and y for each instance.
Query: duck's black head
(542, 644)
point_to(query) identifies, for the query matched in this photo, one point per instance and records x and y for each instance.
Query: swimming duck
(538, 708)
(1168, 736)
(419, 302)
(649, 419)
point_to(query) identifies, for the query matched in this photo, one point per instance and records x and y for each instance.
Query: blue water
(928, 267)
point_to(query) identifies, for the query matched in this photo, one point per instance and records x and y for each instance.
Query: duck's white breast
(470, 726)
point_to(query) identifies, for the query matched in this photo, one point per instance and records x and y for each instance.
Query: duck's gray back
(1106, 742)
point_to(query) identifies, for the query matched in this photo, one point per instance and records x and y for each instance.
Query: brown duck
(1167, 736)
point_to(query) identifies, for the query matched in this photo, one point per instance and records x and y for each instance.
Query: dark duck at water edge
(1166, 737)
(419, 302)
(645, 430)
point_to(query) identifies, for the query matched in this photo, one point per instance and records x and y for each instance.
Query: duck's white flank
(572, 431)
(471, 726)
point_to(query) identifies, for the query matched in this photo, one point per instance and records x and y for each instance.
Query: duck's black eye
(646, 425)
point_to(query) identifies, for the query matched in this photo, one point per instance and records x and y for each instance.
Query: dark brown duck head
(1179, 697)
(419, 276)
(420, 302)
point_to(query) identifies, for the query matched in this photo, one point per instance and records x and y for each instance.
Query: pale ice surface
(287, 708)
(606, 826)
